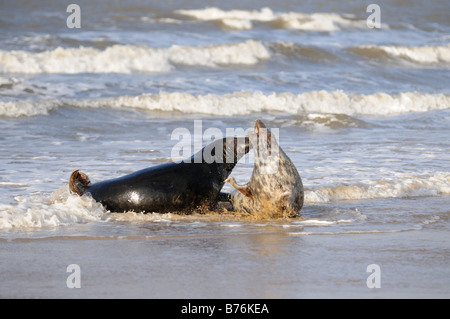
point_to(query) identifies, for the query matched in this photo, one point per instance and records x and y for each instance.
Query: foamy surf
(245, 103)
(59, 208)
(399, 187)
(130, 58)
(28, 107)
(245, 19)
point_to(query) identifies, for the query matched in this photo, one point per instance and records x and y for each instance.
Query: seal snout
(258, 125)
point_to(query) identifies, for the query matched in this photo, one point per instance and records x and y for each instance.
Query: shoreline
(274, 266)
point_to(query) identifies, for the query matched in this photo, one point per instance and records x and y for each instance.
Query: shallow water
(363, 114)
(326, 255)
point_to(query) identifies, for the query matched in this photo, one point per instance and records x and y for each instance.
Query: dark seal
(173, 187)
(275, 188)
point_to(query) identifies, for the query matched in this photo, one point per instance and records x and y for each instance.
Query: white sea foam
(399, 187)
(244, 103)
(57, 209)
(418, 54)
(140, 217)
(130, 58)
(139, 58)
(27, 107)
(243, 19)
(317, 222)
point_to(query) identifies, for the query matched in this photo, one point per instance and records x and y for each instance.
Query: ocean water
(364, 114)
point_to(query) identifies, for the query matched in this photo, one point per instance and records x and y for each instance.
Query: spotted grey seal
(275, 188)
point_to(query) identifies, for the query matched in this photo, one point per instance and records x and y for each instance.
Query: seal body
(171, 187)
(275, 188)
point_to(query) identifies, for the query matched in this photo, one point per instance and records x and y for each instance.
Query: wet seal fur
(275, 188)
(173, 187)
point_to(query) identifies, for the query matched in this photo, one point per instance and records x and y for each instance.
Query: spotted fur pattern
(275, 188)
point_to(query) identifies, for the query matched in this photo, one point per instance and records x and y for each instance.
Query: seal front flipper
(79, 182)
(244, 189)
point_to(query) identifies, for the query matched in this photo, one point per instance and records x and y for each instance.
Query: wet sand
(270, 264)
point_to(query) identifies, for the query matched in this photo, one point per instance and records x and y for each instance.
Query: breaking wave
(310, 53)
(28, 107)
(244, 19)
(130, 58)
(245, 103)
(406, 186)
(417, 55)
